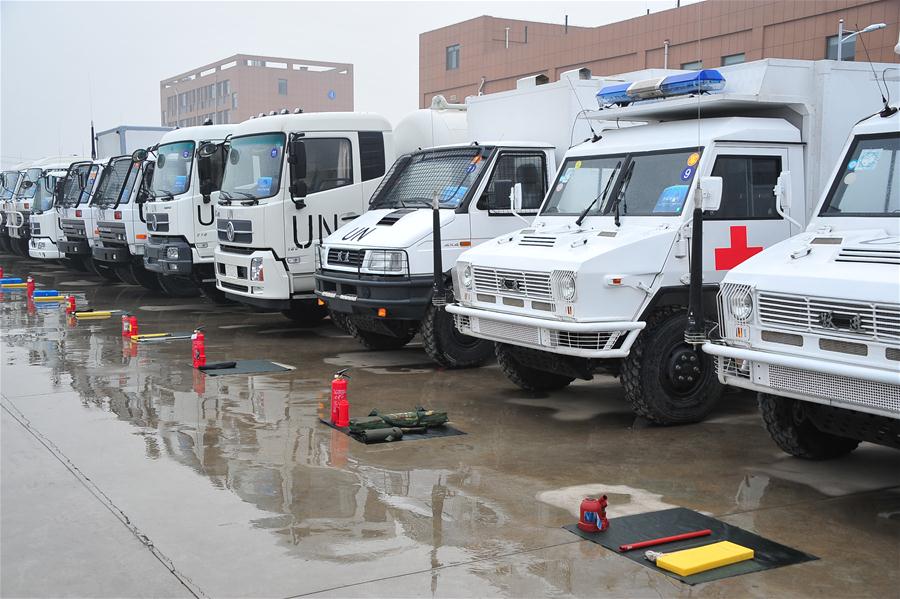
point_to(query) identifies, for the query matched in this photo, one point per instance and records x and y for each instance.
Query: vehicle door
(490, 214)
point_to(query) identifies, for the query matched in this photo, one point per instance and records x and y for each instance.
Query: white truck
(18, 215)
(376, 274)
(180, 211)
(600, 282)
(813, 323)
(268, 224)
(10, 180)
(43, 221)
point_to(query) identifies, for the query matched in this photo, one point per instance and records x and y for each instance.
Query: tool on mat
(159, 337)
(198, 348)
(419, 418)
(217, 366)
(660, 541)
(97, 313)
(48, 298)
(700, 559)
(45, 293)
(14, 285)
(592, 514)
(340, 406)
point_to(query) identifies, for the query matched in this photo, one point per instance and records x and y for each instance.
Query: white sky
(61, 62)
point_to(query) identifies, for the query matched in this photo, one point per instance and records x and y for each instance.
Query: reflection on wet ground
(237, 484)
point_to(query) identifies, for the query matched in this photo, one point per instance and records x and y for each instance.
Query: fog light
(256, 270)
(202, 245)
(320, 301)
(382, 312)
(173, 266)
(172, 253)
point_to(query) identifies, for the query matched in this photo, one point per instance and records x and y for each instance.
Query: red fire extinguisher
(29, 287)
(1, 272)
(198, 347)
(70, 304)
(126, 326)
(593, 514)
(340, 407)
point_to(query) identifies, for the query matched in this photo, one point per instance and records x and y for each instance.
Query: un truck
(600, 282)
(813, 323)
(180, 209)
(293, 179)
(10, 180)
(43, 221)
(20, 206)
(376, 273)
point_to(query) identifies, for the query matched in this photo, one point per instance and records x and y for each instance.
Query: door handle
(349, 216)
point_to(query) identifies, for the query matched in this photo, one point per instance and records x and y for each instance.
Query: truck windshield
(10, 180)
(32, 175)
(43, 197)
(79, 184)
(414, 179)
(111, 182)
(647, 184)
(868, 183)
(253, 170)
(172, 175)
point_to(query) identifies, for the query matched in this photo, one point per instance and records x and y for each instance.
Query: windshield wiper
(166, 194)
(620, 197)
(422, 201)
(602, 195)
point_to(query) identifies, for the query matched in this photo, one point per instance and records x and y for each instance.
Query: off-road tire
(380, 341)
(447, 346)
(306, 314)
(798, 436)
(342, 321)
(526, 377)
(644, 373)
(177, 286)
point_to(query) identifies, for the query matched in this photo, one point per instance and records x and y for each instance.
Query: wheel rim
(682, 372)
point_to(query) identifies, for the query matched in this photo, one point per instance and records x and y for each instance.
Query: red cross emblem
(729, 257)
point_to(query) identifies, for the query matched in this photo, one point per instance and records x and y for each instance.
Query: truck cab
(20, 206)
(180, 211)
(77, 219)
(10, 184)
(291, 180)
(813, 323)
(121, 222)
(600, 282)
(43, 221)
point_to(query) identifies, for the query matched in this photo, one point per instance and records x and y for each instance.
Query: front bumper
(115, 254)
(77, 247)
(859, 388)
(233, 278)
(157, 257)
(607, 339)
(404, 298)
(44, 248)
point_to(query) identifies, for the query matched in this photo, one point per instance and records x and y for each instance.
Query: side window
(371, 154)
(329, 164)
(748, 186)
(529, 170)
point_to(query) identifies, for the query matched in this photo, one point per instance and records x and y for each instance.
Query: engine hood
(389, 228)
(858, 264)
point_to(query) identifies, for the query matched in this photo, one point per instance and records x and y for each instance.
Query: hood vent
(392, 217)
(538, 241)
(607, 234)
(826, 241)
(869, 256)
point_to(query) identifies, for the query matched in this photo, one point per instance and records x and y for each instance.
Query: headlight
(566, 285)
(467, 276)
(256, 269)
(741, 305)
(172, 253)
(386, 261)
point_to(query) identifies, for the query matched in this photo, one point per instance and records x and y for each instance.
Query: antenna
(594, 137)
(887, 111)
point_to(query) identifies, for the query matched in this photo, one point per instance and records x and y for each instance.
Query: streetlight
(841, 39)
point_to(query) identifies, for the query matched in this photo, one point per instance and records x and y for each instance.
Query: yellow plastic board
(49, 298)
(14, 285)
(701, 559)
(97, 314)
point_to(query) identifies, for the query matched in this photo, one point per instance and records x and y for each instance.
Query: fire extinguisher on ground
(198, 348)
(340, 407)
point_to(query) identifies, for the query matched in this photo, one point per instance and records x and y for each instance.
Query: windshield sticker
(560, 187)
(274, 153)
(687, 173)
(578, 164)
(186, 154)
(471, 168)
(850, 178)
(868, 159)
(566, 175)
(671, 200)
(452, 193)
(180, 183)
(693, 159)
(264, 185)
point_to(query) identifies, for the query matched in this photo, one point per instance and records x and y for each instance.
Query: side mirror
(139, 155)
(783, 192)
(515, 198)
(27, 184)
(499, 200)
(297, 159)
(208, 149)
(710, 190)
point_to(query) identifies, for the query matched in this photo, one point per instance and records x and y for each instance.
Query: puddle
(174, 308)
(568, 409)
(629, 500)
(405, 361)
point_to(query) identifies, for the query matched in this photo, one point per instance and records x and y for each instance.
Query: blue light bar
(705, 81)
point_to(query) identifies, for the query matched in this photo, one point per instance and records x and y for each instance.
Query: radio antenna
(594, 137)
(887, 111)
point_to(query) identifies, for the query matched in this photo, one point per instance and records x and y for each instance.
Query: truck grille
(234, 231)
(157, 222)
(594, 341)
(822, 315)
(535, 285)
(113, 233)
(73, 229)
(341, 257)
(840, 389)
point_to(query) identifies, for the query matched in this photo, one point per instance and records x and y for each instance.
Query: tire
(102, 270)
(177, 286)
(306, 314)
(4, 245)
(447, 346)
(379, 341)
(75, 264)
(19, 246)
(123, 271)
(526, 377)
(342, 322)
(657, 358)
(145, 278)
(797, 436)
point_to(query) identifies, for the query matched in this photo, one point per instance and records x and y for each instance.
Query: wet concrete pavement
(124, 465)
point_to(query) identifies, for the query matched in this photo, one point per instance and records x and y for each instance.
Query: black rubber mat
(653, 525)
(246, 367)
(432, 433)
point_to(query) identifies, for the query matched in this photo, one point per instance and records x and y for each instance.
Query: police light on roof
(699, 82)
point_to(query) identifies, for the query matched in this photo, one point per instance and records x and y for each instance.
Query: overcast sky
(61, 63)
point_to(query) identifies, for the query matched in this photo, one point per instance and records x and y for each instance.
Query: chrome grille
(535, 285)
(234, 231)
(595, 341)
(839, 389)
(345, 257)
(822, 315)
(509, 331)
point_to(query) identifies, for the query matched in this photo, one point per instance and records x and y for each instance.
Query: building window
(848, 50)
(282, 87)
(453, 57)
(733, 59)
(694, 65)
(234, 100)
